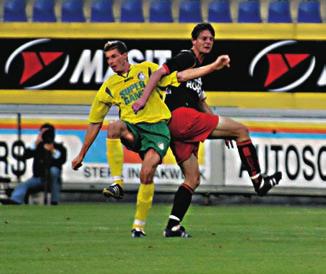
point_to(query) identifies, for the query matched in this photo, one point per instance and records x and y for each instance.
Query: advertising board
(95, 169)
(79, 64)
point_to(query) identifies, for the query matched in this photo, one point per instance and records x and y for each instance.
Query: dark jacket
(43, 159)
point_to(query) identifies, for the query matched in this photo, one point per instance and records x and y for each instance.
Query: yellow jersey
(123, 90)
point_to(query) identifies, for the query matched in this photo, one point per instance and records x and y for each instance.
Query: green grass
(95, 238)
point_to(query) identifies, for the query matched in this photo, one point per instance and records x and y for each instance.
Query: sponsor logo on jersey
(196, 85)
(141, 76)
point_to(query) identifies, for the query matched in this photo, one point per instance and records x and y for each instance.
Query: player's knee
(243, 131)
(197, 181)
(194, 180)
(146, 175)
(114, 129)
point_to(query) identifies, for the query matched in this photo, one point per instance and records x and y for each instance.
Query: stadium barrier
(295, 146)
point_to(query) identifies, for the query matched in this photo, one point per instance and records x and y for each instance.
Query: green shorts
(156, 136)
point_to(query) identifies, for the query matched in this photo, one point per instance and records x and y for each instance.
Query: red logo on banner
(37, 61)
(280, 64)
(34, 63)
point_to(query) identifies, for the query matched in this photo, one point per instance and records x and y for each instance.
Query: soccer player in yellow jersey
(146, 132)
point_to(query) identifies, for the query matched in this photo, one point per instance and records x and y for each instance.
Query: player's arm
(182, 61)
(188, 74)
(183, 65)
(150, 86)
(98, 111)
(91, 133)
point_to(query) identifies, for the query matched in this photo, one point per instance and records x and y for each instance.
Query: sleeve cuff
(203, 96)
(167, 70)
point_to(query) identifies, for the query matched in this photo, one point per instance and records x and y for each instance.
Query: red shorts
(188, 127)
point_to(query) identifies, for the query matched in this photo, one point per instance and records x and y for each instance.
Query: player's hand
(138, 105)
(77, 162)
(49, 147)
(39, 137)
(229, 143)
(222, 61)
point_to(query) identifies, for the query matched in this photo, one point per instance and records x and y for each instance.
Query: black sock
(182, 200)
(249, 158)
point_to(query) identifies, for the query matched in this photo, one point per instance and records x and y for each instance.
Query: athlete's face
(204, 42)
(117, 61)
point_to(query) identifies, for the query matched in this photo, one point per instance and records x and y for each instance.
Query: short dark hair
(48, 135)
(119, 45)
(47, 126)
(201, 27)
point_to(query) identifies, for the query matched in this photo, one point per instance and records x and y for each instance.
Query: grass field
(95, 238)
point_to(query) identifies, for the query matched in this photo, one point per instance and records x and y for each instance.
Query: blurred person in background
(48, 159)
(193, 121)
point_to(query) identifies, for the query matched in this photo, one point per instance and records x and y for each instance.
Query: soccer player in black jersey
(193, 121)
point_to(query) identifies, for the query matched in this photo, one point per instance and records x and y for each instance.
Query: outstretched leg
(247, 152)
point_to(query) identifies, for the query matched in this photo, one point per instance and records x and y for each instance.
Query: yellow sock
(114, 153)
(144, 203)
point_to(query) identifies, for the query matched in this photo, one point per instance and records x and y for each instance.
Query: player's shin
(249, 158)
(114, 152)
(144, 203)
(182, 200)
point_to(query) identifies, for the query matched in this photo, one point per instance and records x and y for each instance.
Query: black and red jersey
(189, 93)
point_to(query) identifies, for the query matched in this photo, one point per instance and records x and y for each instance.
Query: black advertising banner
(79, 64)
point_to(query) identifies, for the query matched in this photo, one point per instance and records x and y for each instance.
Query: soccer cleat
(137, 233)
(177, 231)
(269, 182)
(114, 191)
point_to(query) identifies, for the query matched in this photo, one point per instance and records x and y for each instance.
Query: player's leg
(114, 153)
(116, 130)
(228, 127)
(155, 141)
(144, 203)
(247, 151)
(145, 192)
(182, 198)
(188, 127)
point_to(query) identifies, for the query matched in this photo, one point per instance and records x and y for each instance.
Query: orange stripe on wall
(288, 130)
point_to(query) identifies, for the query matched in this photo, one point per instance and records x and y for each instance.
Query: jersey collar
(126, 74)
